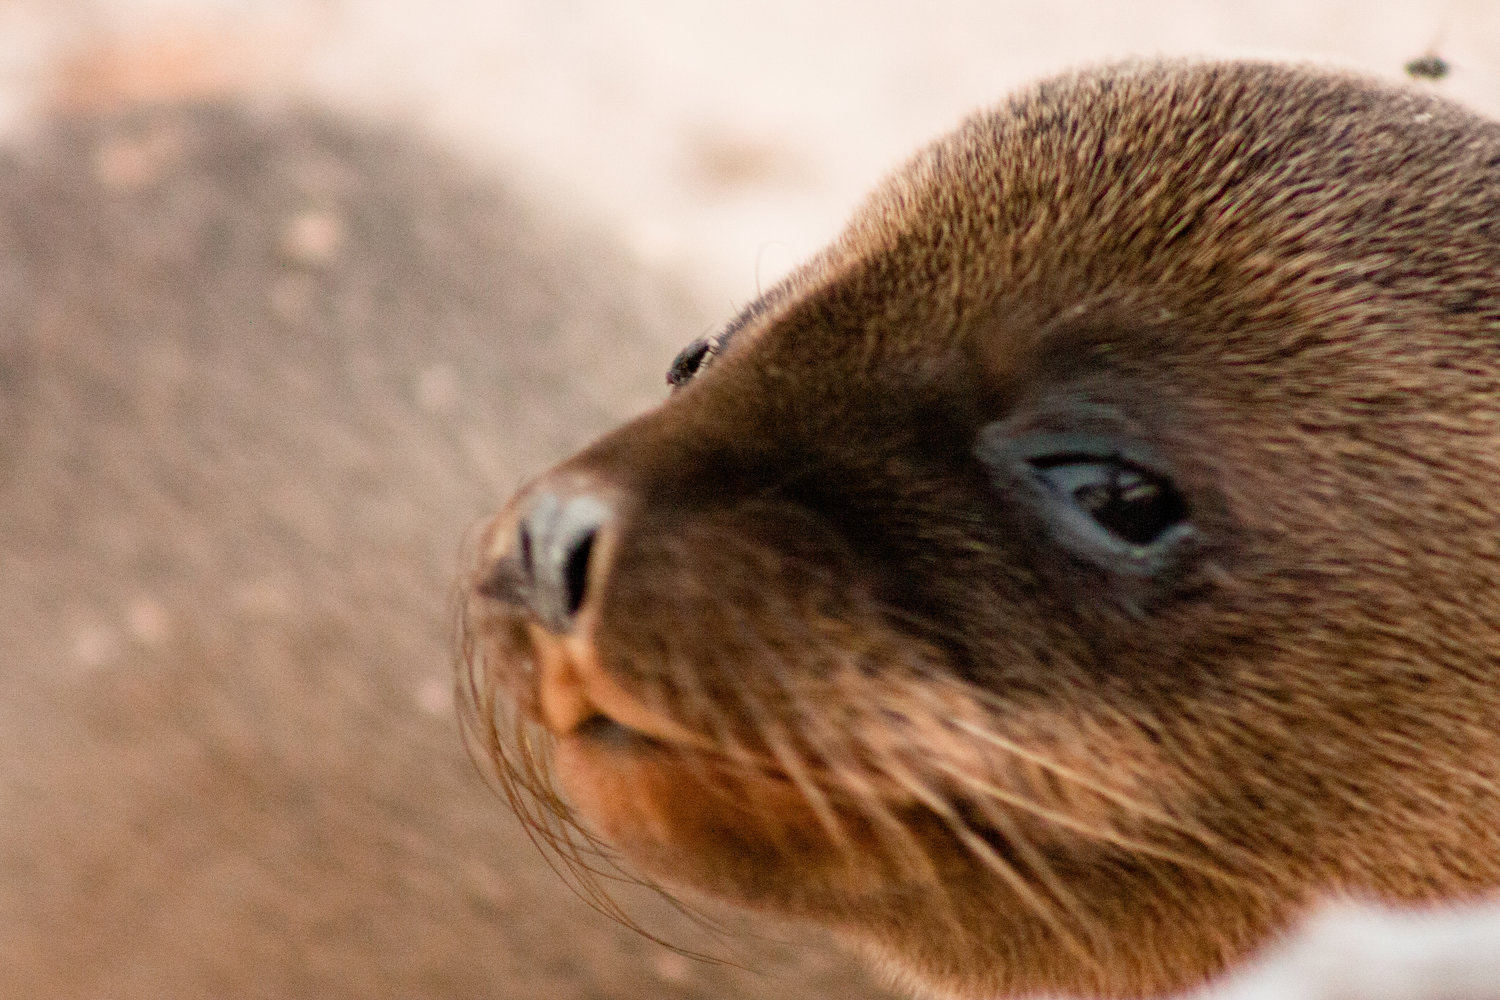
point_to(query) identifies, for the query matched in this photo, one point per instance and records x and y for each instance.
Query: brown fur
(863, 683)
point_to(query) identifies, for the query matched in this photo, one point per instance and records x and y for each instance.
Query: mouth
(607, 734)
(752, 806)
(681, 806)
(575, 698)
(790, 831)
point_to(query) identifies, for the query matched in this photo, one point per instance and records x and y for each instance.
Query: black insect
(1428, 67)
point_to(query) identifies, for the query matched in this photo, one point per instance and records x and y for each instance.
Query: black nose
(554, 545)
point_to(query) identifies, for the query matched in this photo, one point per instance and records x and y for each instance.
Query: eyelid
(1013, 461)
(999, 445)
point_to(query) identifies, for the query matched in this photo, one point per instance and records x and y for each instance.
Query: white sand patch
(1353, 953)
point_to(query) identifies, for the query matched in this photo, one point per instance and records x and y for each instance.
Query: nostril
(576, 574)
(554, 549)
(528, 566)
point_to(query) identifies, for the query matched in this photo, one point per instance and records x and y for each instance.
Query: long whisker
(522, 776)
(977, 787)
(1191, 831)
(858, 785)
(1006, 824)
(1045, 909)
(888, 759)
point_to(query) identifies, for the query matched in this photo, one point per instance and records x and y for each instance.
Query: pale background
(725, 140)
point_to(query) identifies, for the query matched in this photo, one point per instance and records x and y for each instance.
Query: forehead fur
(1244, 192)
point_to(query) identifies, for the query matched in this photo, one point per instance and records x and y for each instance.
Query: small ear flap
(692, 359)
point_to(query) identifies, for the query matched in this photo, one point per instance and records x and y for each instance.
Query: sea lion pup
(1084, 566)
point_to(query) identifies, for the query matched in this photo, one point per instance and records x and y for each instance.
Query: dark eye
(692, 360)
(1134, 504)
(1102, 497)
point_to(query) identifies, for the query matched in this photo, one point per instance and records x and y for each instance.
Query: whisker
(1008, 827)
(1044, 909)
(1114, 838)
(520, 772)
(1193, 832)
(857, 786)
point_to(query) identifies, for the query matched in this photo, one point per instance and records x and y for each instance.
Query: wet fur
(1000, 770)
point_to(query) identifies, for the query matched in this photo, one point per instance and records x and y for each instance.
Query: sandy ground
(262, 366)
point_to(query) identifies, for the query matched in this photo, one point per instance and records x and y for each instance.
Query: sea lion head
(1082, 567)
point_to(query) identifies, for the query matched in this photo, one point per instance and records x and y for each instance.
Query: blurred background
(726, 140)
(293, 294)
